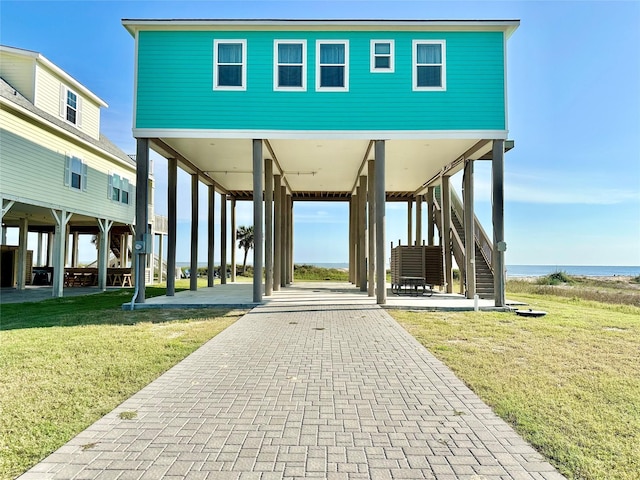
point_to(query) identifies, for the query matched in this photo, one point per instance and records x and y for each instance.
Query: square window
(382, 56)
(332, 69)
(429, 69)
(230, 70)
(289, 65)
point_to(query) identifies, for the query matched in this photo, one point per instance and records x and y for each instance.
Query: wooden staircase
(484, 271)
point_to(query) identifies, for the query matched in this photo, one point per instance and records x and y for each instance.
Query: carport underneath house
(365, 143)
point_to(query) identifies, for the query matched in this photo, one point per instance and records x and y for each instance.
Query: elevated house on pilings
(59, 176)
(363, 111)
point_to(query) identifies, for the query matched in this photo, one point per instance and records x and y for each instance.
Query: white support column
(381, 271)
(39, 252)
(21, 280)
(103, 251)
(499, 245)
(50, 242)
(410, 222)
(277, 232)
(3, 240)
(419, 220)
(371, 229)
(446, 232)
(234, 239)
(211, 234)
(268, 227)
(223, 239)
(469, 230)
(160, 257)
(75, 236)
(257, 219)
(193, 268)
(61, 218)
(172, 186)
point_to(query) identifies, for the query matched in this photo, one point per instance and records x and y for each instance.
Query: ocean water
(577, 270)
(514, 271)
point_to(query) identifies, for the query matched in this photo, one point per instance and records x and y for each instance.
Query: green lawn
(64, 363)
(568, 382)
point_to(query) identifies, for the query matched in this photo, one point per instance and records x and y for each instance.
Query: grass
(568, 382)
(64, 363)
(622, 291)
(312, 273)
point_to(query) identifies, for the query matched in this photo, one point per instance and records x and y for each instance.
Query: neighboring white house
(59, 176)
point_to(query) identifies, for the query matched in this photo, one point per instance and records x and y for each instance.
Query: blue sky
(572, 184)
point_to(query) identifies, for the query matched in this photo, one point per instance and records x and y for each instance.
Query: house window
(289, 65)
(332, 72)
(75, 173)
(429, 68)
(70, 106)
(230, 67)
(382, 56)
(118, 190)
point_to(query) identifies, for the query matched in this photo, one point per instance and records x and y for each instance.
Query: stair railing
(481, 237)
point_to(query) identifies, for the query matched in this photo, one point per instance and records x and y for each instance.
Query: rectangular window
(118, 189)
(124, 196)
(230, 66)
(429, 67)
(115, 188)
(289, 65)
(72, 106)
(382, 56)
(75, 173)
(332, 69)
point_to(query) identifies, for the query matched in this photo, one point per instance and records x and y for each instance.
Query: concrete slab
(239, 295)
(332, 389)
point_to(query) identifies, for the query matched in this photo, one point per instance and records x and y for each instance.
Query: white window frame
(64, 105)
(391, 56)
(124, 187)
(217, 42)
(344, 88)
(276, 64)
(443, 65)
(69, 171)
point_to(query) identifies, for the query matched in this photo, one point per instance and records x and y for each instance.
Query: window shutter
(84, 177)
(67, 170)
(132, 192)
(110, 186)
(79, 112)
(63, 100)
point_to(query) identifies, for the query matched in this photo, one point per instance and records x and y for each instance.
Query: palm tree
(245, 241)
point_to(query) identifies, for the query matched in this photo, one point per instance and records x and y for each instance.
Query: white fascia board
(133, 25)
(68, 208)
(39, 58)
(322, 134)
(37, 119)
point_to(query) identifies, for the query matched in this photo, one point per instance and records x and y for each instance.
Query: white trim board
(321, 134)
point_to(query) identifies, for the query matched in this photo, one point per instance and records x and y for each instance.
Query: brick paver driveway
(291, 391)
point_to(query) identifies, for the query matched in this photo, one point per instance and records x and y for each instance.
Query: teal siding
(175, 85)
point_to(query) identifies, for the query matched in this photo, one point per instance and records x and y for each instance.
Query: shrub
(556, 278)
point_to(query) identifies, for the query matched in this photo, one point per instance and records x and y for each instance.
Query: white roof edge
(57, 70)
(509, 26)
(55, 127)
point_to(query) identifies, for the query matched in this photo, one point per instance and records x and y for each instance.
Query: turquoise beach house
(360, 111)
